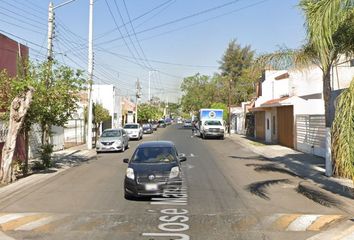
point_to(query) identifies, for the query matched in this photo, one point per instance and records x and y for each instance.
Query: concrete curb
(12, 189)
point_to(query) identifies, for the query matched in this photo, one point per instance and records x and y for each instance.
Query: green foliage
(323, 19)
(237, 79)
(45, 153)
(198, 92)
(100, 114)
(148, 112)
(343, 134)
(37, 166)
(235, 60)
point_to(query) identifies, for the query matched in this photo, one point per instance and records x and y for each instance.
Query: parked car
(112, 140)
(168, 121)
(147, 128)
(162, 123)
(155, 125)
(134, 130)
(187, 123)
(154, 166)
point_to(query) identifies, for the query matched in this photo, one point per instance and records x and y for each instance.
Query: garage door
(286, 126)
(260, 125)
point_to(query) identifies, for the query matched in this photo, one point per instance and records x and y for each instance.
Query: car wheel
(128, 196)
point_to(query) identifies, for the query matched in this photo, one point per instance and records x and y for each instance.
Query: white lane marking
(3, 236)
(38, 223)
(302, 223)
(9, 217)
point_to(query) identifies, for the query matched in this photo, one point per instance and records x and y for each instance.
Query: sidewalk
(306, 166)
(62, 160)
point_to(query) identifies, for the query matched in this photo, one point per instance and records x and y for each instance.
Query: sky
(163, 40)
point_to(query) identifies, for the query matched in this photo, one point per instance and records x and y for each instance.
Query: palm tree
(326, 24)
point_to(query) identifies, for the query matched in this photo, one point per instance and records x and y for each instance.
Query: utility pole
(229, 129)
(138, 96)
(90, 78)
(149, 87)
(50, 31)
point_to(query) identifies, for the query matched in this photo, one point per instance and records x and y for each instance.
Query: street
(223, 199)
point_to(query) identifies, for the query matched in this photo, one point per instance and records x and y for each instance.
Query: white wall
(108, 96)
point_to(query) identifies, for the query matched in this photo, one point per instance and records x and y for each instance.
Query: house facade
(108, 96)
(289, 109)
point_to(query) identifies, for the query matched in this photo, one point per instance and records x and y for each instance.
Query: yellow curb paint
(21, 221)
(283, 222)
(322, 221)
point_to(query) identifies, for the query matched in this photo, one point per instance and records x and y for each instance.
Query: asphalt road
(224, 198)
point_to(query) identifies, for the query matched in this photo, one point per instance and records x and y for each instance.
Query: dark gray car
(154, 167)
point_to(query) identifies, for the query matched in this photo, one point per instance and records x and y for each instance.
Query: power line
(129, 37)
(136, 18)
(136, 37)
(176, 20)
(125, 42)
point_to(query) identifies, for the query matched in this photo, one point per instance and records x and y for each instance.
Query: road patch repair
(174, 215)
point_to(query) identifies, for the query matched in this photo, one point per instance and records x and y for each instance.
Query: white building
(108, 96)
(289, 109)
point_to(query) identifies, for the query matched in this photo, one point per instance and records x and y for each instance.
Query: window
(352, 63)
(267, 123)
(273, 125)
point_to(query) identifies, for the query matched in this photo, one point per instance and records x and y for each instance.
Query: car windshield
(154, 155)
(146, 126)
(111, 133)
(217, 123)
(131, 126)
(161, 121)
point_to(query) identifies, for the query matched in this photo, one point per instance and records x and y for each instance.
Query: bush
(45, 153)
(37, 166)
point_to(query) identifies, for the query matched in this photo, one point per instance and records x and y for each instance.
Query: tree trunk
(25, 169)
(327, 98)
(18, 110)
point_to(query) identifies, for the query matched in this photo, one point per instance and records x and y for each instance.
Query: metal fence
(74, 132)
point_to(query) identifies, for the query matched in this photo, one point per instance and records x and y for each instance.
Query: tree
(240, 76)
(18, 111)
(148, 112)
(100, 114)
(50, 106)
(343, 134)
(198, 92)
(53, 104)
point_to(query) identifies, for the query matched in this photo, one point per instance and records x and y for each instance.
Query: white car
(134, 130)
(187, 123)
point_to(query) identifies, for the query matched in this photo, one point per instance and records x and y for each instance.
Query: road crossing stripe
(299, 222)
(343, 232)
(38, 223)
(52, 226)
(322, 221)
(9, 217)
(10, 225)
(284, 221)
(302, 223)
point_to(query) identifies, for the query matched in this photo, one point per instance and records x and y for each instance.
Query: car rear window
(130, 126)
(154, 155)
(111, 133)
